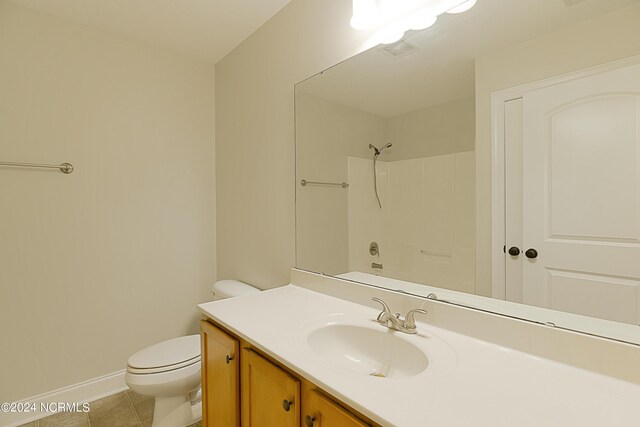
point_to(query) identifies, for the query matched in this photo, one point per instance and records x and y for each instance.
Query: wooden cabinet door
(220, 377)
(320, 411)
(270, 396)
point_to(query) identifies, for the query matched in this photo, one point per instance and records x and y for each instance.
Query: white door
(580, 201)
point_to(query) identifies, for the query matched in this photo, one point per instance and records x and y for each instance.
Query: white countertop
(481, 385)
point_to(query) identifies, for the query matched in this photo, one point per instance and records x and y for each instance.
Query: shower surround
(425, 229)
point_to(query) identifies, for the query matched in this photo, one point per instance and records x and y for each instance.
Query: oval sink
(368, 351)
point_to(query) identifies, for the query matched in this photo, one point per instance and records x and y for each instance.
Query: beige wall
(604, 39)
(255, 134)
(98, 264)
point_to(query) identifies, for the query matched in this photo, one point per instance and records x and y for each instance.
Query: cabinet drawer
(320, 411)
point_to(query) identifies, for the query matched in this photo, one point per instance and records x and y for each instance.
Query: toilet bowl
(170, 370)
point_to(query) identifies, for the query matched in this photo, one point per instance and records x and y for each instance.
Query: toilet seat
(161, 369)
(166, 356)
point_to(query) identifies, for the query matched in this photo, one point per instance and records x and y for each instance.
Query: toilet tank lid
(233, 288)
(167, 353)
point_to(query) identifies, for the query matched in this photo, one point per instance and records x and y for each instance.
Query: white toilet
(170, 370)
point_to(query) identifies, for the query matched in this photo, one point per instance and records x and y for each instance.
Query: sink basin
(368, 350)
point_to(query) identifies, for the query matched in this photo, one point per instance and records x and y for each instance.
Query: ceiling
(204, 29)
(443, 68)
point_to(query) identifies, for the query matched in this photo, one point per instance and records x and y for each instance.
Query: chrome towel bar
(65, 168)
(304, 183)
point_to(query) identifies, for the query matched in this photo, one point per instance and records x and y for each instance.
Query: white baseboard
(86, 391)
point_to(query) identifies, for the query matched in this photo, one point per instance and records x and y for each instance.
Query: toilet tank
(231, 288)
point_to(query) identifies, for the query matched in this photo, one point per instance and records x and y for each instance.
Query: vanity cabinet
(243, 387)
(220, 377)
(269, 396)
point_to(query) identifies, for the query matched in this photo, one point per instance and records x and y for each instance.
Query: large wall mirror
(401, 149)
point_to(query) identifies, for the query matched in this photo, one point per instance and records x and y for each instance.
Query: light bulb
(394, 17)
(422, 20)
(463, 7)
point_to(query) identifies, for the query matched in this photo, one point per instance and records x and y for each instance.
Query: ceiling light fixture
(393, 17)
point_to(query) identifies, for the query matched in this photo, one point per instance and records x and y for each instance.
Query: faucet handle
(410, 321)
(385, 307)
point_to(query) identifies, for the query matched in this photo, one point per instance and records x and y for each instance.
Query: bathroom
(181, 127)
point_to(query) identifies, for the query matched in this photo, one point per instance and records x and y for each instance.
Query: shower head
(378, 151)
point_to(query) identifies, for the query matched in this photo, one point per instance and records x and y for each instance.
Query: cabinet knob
(308, 420)
(514, 251)
(286, 405)
(229, 358)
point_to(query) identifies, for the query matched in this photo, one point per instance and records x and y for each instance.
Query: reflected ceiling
(445, 53)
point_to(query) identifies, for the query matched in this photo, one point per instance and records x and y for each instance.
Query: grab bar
(65, 168)
(304, 183)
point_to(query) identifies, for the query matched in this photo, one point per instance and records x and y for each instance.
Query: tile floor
(126, 409)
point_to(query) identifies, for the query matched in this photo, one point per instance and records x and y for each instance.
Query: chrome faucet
(393, 321)
(386, 317)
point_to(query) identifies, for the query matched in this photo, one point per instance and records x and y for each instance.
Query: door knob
(513, 251)
(309, 420)
(531, 253)
(286, 405)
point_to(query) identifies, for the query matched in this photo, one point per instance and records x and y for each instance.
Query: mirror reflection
(408, 212)
(428, 161)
